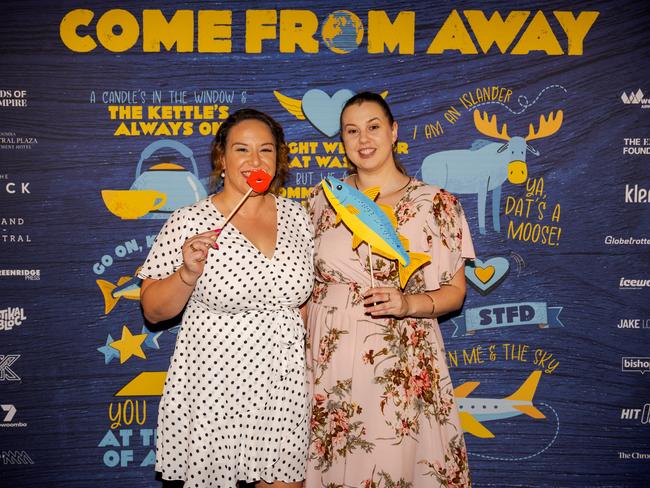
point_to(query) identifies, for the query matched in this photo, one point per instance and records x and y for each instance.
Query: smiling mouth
(367, 151)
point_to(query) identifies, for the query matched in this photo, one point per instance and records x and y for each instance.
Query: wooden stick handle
(372, 273)
(232, 212)
(241, 202)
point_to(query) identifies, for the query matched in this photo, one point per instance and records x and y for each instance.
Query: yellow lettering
(331, 147)
(123, 41)
(156, 30)
(323, 161)
(68, 31)
(260, 25)
(452, 36)
(295, 192)
(300, 162)
(382, 33)
(576, 29)
(538, 37)
(147, 128)
(495, 30)
(297, 28)
(215, 31)
(452, 357)
(162, 129)
(122, 130)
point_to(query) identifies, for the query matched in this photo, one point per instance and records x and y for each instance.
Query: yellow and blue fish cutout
(374, 224)
(127, 287)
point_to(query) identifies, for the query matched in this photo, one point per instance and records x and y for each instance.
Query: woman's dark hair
(364, 97)
(221, 138)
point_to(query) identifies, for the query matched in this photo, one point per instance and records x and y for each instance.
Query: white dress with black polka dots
(235, 404)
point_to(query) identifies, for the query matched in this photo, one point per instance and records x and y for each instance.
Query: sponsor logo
(6, 373)
(28, 274)
(14, 187)
(635, 364)
(9, 140)
(635, 284)
(627, 241)
(635, 98)
(8, 228)
(633, 324)
(10, 413)
(634, 194)
(11, 317)
(633, 455)
(641, 415)
(634, 146)
(15, 457)
(13, 98)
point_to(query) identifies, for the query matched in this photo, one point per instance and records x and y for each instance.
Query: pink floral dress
(383, 407)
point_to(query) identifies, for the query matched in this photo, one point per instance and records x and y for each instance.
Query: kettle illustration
(160, 190)
(180, 186)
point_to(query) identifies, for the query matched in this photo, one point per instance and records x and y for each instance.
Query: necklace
(394, 191)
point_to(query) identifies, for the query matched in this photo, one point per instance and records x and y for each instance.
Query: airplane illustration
(473, 411)
(127, 287)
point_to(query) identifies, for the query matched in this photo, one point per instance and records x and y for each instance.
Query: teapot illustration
(159, 190)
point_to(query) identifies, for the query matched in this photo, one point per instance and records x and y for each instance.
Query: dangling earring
(223, 175)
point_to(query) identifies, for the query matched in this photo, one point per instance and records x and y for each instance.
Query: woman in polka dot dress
(235, 405)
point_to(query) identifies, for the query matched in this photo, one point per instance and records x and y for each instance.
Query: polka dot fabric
(235, 404)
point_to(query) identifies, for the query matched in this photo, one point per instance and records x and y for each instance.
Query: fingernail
(215, 245)
(217, 231)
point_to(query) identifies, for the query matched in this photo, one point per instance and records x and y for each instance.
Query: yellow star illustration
(129, 345)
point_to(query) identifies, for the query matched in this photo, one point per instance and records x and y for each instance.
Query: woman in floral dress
(384, 413)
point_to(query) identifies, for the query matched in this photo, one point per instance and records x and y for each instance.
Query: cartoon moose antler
(489, 127)
(547, 127)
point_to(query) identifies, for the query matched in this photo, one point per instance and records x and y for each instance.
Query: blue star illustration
(108, 351)
(152, 338)
(175, 329)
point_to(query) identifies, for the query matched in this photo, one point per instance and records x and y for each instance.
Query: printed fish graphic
(474, 411)
(127, 287)
(374, 224)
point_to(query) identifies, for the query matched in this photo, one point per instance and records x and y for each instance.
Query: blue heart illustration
(324, 111)
(485, 276)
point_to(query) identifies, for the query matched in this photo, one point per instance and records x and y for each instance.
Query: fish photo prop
(374, 224)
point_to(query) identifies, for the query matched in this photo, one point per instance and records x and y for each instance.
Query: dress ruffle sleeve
(166, 256)
(448, 239)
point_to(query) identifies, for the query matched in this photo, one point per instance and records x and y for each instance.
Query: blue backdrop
(561, 285)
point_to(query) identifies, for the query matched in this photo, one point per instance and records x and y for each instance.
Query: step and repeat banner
(107, 113)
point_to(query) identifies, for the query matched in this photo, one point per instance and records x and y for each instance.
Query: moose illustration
(486, 165)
